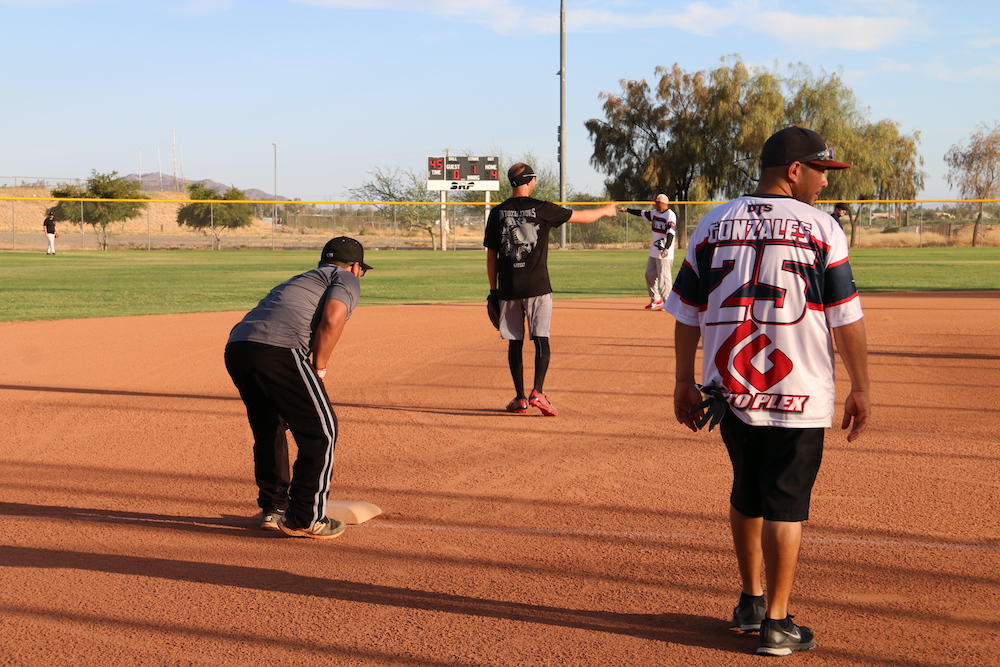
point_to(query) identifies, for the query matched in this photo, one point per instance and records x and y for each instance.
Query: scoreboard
(463, 173)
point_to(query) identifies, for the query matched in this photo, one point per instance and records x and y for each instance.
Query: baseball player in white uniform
(767, 288)
(660, 263)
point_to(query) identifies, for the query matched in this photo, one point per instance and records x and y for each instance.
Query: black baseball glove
(493, 308)
(716, 405)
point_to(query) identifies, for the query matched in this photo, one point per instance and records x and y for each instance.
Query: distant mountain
(155, 181)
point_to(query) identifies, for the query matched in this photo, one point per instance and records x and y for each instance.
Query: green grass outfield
(85, 283)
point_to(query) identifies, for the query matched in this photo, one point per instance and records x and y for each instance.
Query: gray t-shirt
(288, 315)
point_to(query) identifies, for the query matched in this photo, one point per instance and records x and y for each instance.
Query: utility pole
(443, 222)
(274, 213)
(174, 130)
(562, 115)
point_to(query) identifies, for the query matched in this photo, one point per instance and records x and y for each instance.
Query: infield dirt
(598, 537)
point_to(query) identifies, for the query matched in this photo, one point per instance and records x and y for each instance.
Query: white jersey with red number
(765, 278)
(662, 224)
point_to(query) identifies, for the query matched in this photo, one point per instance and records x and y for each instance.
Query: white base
(351, 512)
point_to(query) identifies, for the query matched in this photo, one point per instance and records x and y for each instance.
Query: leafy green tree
(637, 145)
(742, 107)
(204, 214)
(975, 169)
(100, 214)
(885, 163)
(698, 135)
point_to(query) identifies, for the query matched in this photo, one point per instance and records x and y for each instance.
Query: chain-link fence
(302, 225)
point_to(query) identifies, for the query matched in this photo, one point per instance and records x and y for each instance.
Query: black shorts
(773, 468)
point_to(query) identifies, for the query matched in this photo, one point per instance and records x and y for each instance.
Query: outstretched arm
(593, 214)
(852, 344)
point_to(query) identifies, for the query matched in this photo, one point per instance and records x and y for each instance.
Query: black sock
(542, 355)
(514, 352)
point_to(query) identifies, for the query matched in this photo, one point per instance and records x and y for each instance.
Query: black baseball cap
(797, 144)
(523, 178)
(344, 249)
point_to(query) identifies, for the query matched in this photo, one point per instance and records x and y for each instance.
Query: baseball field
(598, 537)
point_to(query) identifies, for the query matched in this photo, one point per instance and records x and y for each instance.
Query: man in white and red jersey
(660, 263)
(765, 281)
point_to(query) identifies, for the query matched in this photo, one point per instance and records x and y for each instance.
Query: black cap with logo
(797, 144)
(344, 249)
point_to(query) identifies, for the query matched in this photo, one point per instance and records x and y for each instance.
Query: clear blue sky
(344, 86)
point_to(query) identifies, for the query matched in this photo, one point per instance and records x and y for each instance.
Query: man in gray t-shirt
(277, 356)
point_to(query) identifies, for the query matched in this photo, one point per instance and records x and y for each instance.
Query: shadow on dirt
(676, 628)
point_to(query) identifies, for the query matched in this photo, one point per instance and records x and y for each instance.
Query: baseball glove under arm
(493, 308)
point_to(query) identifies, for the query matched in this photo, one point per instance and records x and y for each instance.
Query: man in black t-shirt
(517, 253)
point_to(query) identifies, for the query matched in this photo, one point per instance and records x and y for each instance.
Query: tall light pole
(274, 212)
(562, 115)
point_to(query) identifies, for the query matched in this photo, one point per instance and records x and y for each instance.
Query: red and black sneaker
(539, 401)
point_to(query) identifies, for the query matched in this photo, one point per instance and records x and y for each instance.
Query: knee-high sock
(542, 355)
(514, 359)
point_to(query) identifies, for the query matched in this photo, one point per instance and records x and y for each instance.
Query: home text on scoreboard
(463, 173)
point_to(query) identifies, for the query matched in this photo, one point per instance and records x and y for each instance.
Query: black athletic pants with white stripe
(279, 386)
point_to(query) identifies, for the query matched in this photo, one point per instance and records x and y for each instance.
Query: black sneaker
(324, 529)
(749, 613)
(784, 637)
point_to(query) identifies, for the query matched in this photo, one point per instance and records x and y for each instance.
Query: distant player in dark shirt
(49, 224)
(517, 253)
(841, 210)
